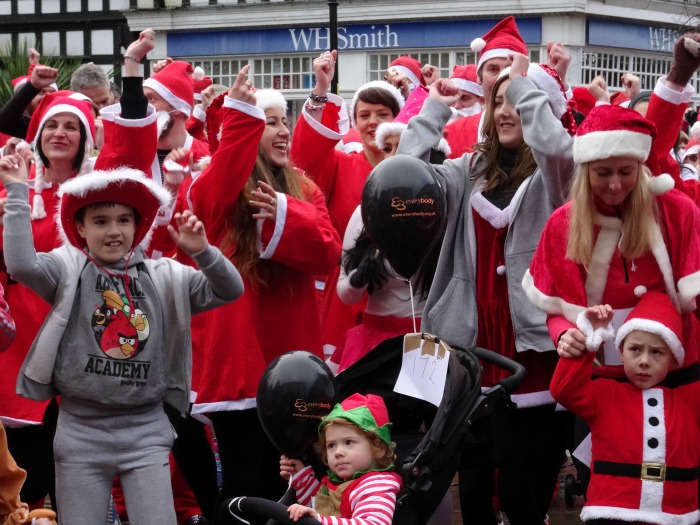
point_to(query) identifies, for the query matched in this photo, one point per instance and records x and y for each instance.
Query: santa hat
(214, 120)
(388, 129)
(582, 99)
(411, 68)
(201, 81)
(655, 313)
(51, 105)
(693, 146)
(18, 82)
(174, 83)
(270, 98)
(464, 77)
(613, 131)
(378, 84)
(503, 39)
(367, 412)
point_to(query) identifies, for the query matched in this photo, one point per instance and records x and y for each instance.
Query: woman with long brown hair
(498, 200)
(273, 224)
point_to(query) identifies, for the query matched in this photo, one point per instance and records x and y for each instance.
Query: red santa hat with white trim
(377, 84)
(174, 83)
(201, 81)
(656, 314)
(51, 105)
(120, 176)
(503, 39)
(410, 67)
(693, 146)
(613, 131)
(464, 77)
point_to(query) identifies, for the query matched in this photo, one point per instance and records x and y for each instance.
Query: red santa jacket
(270, 318)
(462, 134)
(658, 427)
(563, 288)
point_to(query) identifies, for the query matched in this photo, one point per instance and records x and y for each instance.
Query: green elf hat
(367, 412)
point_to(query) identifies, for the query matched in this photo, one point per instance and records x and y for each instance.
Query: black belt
(646, 471)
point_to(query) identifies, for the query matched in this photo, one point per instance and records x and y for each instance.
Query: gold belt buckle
(653, 471)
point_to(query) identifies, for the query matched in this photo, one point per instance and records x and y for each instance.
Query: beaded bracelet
(132, 57)
(317, 98)
(313, 107)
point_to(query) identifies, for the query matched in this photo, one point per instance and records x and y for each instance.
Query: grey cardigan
(450, 311)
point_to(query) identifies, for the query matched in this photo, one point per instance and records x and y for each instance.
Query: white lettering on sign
(317, 38)
(662, 39)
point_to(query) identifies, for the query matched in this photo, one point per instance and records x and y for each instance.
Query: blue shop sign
(631, 36)
(386, 36)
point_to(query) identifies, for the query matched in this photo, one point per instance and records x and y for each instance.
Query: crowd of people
(163, 243)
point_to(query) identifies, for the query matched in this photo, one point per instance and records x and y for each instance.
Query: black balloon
(296, 390)
(403, 211)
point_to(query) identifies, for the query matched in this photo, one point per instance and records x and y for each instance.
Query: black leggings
(195, 457)
(521, 461)
(32, 449)
(249, 461)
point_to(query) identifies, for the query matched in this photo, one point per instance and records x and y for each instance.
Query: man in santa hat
(471, 94)
(494, 49)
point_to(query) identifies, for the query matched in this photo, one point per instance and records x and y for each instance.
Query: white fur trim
(170, 97)
(640, 290)
(478, 44)
(603, 251)
(444, 146)
(546, 82)
(244, 107)
(388, 129)
(605, 144)
(660, 252)
(38, 207)
(97, 180)
(532, 399)
(270, 98)
(652, 492)
(499, 52)
(692, 150)
(660, 184)
(688, 290)
(224, 406)
(380, 84)
(268, 251)
(547, 303)
(594, 338)
(496, 217)
(198, 73)
(343, 120)
(468, 85)
(654, 327)
(695, 130)
(641, 516)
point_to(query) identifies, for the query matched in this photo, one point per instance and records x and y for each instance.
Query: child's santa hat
(51, 105)
(464, 77)
(119, 176)
(411, 68)
(367, 412)
(503, 39)
(175, 85)
(201, 81)
(693, 146)
(656, 314)
(582, 100)
(377, 84)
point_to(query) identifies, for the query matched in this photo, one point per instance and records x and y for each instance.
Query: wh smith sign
(631, 36)
(456, 33)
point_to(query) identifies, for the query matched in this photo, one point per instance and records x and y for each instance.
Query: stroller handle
(511, 383)
(241, 509)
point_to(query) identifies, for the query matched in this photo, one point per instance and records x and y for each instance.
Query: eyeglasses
(692, 158)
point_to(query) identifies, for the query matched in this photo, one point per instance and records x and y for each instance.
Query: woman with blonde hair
(622, 234)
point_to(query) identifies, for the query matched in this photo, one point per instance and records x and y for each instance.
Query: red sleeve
(300, 223)
(214, 193)
(572, 385)
(667, 118)
(371, 501)
(557, 325)
(315, 153)
(305, 485)
(195, 127)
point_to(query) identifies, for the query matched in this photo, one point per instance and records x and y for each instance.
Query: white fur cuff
(594, 338)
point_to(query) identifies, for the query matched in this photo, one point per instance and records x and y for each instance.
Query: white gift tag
(423, 368)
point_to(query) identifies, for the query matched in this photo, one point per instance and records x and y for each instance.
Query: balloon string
(413, 306)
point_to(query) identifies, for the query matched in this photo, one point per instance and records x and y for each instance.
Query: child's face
(647, 359)
(108, 231)
(348, 449)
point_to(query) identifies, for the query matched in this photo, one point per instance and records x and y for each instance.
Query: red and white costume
(270, 318)
(341, 177)
(563, 288)
(367, 500)
(657, 425)
(463, 133)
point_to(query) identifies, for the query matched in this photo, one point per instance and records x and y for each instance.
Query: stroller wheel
(570, 490)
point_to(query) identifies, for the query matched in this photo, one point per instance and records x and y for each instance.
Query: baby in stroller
(355, 443)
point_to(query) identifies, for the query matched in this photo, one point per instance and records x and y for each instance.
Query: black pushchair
(429, 439)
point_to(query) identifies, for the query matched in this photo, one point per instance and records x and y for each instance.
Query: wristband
(317, 98)
(310, 107)
(132, 57)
